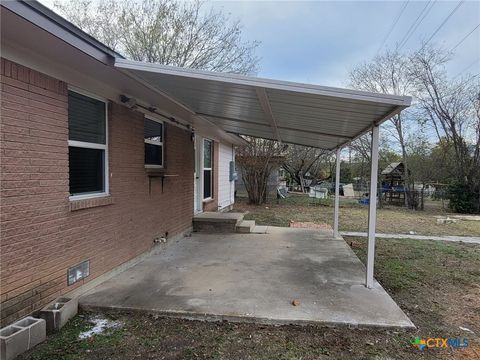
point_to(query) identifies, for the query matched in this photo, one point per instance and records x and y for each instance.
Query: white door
(197, 178)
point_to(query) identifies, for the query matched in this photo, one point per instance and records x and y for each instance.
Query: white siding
(226, 188)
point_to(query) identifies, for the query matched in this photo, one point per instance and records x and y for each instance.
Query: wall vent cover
(78, 272)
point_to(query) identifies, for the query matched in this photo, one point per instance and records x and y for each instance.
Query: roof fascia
(53, 23)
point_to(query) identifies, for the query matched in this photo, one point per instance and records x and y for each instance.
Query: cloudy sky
(320, 41)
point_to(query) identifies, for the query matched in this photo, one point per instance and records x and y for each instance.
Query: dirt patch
(467, 304)
(309, 225)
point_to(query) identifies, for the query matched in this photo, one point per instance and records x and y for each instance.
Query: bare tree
(361, 149)
(388, 73)
(301, 161)
(169, 32)
(453, 110)
(256, 161)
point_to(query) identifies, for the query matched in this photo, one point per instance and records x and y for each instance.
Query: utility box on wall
(233, 172)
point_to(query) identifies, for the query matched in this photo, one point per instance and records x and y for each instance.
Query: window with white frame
(87, 145)
(207, 168)
(153, 136)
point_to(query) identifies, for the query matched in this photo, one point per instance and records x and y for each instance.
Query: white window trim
(204, 168)
(158, 143)
(88, 145)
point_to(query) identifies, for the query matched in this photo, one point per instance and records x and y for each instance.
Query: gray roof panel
(304, 114)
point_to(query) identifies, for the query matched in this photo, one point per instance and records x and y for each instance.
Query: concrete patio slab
(253, 277)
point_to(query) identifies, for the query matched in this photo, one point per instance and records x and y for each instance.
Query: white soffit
(303, 114)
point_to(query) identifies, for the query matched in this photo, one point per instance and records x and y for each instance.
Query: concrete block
(21, 336)
(246, 226)
(36, 328)
(13, 342)
(59, 312)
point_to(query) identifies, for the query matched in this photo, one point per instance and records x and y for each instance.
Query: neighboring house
(95, 164)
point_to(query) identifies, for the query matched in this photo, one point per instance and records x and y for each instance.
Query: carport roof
(304, 114)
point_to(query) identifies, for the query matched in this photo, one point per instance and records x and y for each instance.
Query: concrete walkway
(253, 278)
(465, 239)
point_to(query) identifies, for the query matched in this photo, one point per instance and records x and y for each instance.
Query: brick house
(95, 164)
(101, 156)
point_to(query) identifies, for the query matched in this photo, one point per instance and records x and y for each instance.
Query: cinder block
(59, 312)
(36, 328)
(13, 342)
(21, 336)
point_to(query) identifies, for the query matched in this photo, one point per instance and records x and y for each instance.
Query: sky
(319, 42)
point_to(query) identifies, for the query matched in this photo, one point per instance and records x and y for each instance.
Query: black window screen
(153, 131)
(86, 170)
(207, 184)
(153, 154)
(153, 136)
(207, 168)
(86, 119)
(207, 154)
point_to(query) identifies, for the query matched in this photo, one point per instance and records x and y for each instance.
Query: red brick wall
(41, 235)
(212, 205)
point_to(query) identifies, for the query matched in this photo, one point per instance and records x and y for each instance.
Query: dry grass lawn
(353, 217)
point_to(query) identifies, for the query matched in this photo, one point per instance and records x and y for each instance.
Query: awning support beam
(336, 233)
(267, 110)
(372, 207)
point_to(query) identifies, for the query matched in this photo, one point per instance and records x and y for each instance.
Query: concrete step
(246, 226)
(259, 229)
(217, 222)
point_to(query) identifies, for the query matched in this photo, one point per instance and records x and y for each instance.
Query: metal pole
(372, 207)
(337, 195)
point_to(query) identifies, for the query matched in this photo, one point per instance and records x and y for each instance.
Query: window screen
(207, 154)
(86, 170)
(153, 154)
(153, 137)
(207, 184)
(153, 131)
(86, 119)
(87, 144)
(207, 168)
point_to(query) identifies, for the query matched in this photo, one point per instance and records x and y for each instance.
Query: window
(153, 136)
(207, 168)
(87, 145)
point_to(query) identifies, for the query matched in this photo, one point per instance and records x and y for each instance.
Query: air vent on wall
(78, 272)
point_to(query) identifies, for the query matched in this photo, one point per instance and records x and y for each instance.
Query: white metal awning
(304, 114)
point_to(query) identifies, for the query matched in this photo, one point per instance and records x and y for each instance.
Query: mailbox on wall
(233, 172)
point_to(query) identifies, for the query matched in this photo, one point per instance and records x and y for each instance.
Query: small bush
(463, 199)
